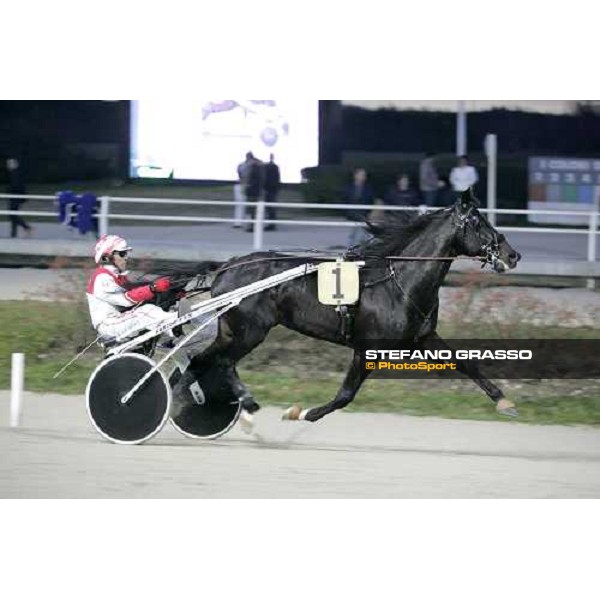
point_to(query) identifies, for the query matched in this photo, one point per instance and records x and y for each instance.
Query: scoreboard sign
(569, 184)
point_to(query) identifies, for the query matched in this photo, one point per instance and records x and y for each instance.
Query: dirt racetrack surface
(56, 453)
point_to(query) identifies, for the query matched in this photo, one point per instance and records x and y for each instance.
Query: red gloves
(162, 284)
(146, 292)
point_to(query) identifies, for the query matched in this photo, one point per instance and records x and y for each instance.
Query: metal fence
(107, 214)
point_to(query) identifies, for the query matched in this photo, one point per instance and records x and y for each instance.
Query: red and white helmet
(107, 244)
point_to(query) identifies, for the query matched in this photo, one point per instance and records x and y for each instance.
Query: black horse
(398, 299)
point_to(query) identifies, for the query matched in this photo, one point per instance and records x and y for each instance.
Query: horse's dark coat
(399, 299)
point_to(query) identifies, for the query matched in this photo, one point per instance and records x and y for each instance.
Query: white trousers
(128, 323)
(240, 199)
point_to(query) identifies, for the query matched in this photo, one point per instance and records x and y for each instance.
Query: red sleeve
(140, 294)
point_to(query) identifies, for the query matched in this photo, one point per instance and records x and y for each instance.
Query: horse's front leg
(503, 406)
(352, 382)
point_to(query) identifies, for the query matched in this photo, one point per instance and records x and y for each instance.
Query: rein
(334, 257)
(461, 257)
(491, 256)
(482, 259)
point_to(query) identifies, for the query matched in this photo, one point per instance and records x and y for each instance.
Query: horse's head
(475, 236)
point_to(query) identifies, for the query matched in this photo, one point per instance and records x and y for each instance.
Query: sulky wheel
(204, 407)
(145, 413)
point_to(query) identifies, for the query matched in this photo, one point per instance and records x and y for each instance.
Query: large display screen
(563, 183)
(207, 139)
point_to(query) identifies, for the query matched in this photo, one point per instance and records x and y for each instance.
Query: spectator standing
(253, 187)
(446, 195)
(463, 176)
(428, 180)
(16, 185)
(358, 192)
(402, 194)
(271, 183)
(239, 193)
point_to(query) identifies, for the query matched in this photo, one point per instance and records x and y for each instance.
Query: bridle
(490, 251)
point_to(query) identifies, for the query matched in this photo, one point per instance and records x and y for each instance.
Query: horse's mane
(392, 236)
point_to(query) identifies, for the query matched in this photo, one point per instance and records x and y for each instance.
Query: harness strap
(394, 277)
(369, 284)
(346, 321)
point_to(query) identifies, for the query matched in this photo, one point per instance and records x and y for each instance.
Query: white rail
(259, 221)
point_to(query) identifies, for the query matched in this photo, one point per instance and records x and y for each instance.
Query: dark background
(59, 141)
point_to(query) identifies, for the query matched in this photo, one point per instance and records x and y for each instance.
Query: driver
(116, 305)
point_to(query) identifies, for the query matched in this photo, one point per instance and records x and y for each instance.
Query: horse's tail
(182, 272)
(181, 276)
(207, 266)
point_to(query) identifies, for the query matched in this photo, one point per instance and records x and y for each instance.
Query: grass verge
(289, 368)
(395, 396)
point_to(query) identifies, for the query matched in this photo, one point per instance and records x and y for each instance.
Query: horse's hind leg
(234, 342)
(233, 382)
(230, 380)
(249, 404)
(243, 394)
(352, 382)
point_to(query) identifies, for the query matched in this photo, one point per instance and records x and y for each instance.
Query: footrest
(107, 341)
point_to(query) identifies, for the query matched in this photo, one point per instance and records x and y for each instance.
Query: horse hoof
(292, 413)
(246, 422)
(507, 408)
(250, 405)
